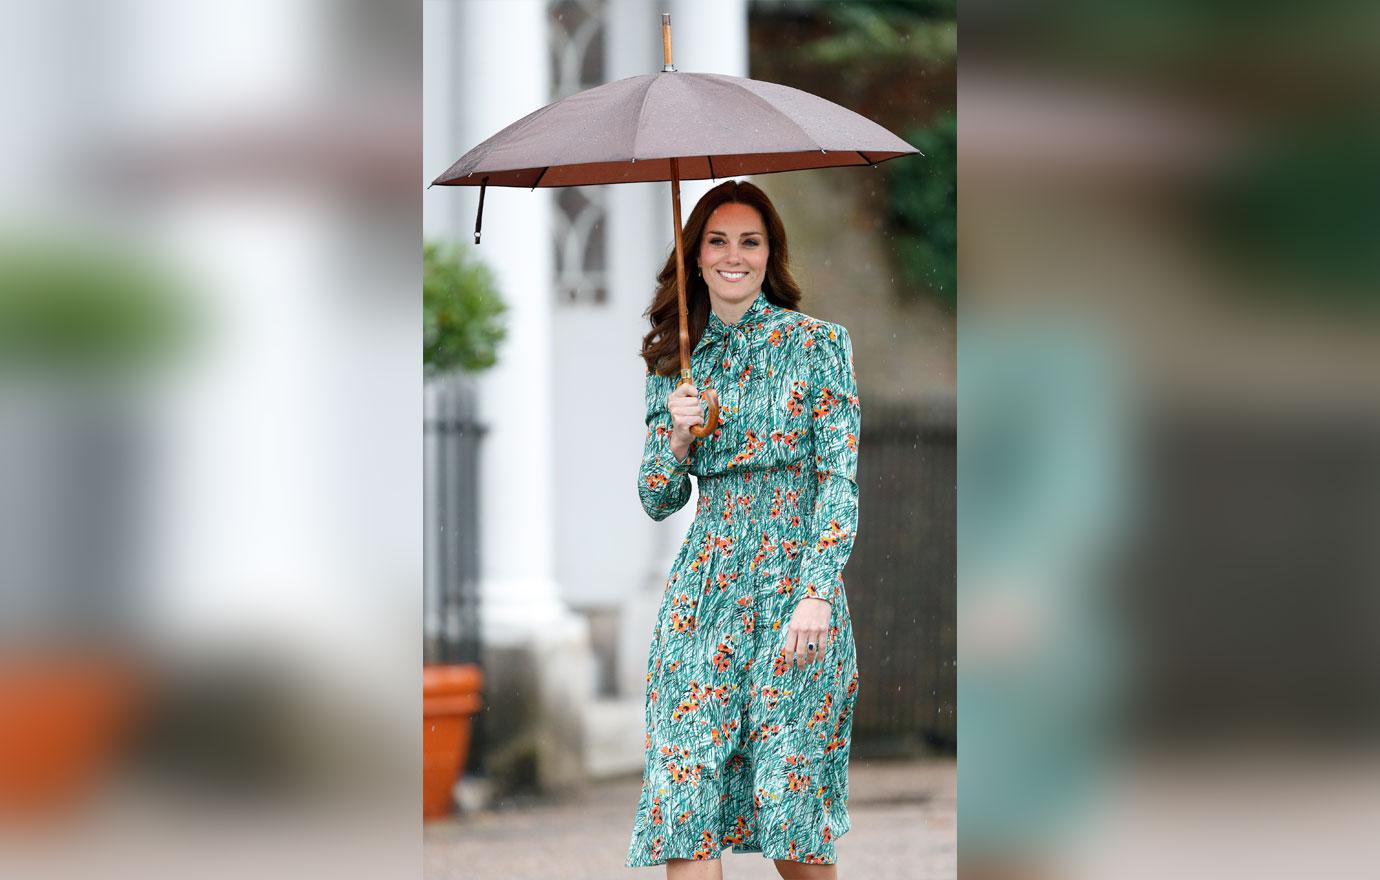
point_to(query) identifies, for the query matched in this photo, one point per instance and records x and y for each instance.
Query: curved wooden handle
(711, 419)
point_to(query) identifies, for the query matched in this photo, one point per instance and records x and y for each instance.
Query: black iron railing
(451, 448)
(901, 581)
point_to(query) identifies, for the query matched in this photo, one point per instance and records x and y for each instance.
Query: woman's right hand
(684, 405)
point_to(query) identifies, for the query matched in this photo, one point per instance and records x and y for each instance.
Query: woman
(752, 673)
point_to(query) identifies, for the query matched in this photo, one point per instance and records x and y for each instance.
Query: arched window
(577, 63)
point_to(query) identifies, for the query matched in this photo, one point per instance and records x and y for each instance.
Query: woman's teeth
(732, 276)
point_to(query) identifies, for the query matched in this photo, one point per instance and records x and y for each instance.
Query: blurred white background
(209, 402)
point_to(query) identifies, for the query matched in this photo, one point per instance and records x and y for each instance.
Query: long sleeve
(663, 483)
(837, 420)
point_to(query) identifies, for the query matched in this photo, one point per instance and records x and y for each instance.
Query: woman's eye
(751, 242)
(716, 241)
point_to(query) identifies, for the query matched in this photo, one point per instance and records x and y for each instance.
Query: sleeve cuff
(668, 464)
(810, 591)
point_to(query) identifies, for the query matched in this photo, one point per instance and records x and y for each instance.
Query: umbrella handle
(711, 419)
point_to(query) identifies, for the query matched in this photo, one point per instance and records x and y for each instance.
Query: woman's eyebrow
(725, 234)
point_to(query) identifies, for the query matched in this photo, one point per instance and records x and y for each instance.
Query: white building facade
(571, 567)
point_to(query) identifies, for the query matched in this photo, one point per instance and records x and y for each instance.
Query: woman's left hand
(809, 625)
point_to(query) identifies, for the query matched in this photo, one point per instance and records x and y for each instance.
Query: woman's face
(733, 254)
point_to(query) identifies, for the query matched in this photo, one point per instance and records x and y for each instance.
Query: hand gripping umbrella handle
(711, 419)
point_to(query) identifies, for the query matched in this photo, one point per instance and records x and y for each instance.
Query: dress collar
(718, 328)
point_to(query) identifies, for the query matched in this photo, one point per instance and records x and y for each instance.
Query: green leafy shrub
(461, 308)
(79, 308)
(922, 208)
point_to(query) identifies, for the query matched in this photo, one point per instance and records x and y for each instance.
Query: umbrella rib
(641, 111)
(539, 177)
(712, 175)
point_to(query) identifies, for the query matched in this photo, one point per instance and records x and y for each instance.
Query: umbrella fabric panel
(596, 125)
(712, 114)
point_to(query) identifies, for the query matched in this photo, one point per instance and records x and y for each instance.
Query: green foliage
(922, 209)
(875, 32)
(461, 308)
(1302, 208)
(71, 309)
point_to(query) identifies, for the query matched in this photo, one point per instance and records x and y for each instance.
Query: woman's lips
(731, 276)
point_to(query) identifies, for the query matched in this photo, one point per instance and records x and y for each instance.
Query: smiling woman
(752, 672)
(746, 236)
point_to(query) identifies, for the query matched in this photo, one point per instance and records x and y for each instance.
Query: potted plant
(461, 332)
(84, 327)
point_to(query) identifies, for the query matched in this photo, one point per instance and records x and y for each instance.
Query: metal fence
(451, 460)
(901, 581)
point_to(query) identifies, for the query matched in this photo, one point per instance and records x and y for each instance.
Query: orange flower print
(835, 534)
(739, 834)
(707, 847)
(822, 713)
(723, 659)
(685, 775)
(825, 404)
(780, 666)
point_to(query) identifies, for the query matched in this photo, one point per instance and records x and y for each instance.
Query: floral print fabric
(743, 748)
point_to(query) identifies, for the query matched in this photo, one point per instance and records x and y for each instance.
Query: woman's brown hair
(661, 346)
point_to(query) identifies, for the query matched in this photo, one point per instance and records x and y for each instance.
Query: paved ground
(903, 827)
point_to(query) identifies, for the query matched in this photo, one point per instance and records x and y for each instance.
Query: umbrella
(673, 126)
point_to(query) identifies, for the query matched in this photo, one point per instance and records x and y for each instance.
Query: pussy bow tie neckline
(716, 329)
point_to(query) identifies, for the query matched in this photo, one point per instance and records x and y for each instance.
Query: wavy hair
(661, 345)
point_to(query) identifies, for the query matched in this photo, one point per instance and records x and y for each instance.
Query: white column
(501, 72)
(439, 144)
(709, 36)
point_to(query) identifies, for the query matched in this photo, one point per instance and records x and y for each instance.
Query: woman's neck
(732, 314)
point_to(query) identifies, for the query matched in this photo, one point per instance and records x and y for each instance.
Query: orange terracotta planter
(66, 725)
(450, 695)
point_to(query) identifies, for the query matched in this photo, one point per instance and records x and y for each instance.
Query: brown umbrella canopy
(717, 126)
(673, 126)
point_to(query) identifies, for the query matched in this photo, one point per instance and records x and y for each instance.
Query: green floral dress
(743, 748)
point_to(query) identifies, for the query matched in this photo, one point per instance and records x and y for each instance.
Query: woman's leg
(801, 871)
(694, 869)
